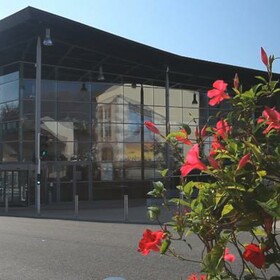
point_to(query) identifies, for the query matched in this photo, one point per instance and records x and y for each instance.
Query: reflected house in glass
(93, 141)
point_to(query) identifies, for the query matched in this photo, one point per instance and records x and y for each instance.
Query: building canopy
(81, 47)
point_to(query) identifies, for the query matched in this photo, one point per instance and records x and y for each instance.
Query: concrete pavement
(100, 211)
(135, 211)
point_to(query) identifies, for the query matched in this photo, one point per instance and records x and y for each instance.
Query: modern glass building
(72, 112)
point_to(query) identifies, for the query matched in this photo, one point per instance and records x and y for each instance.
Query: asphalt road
(61, 249)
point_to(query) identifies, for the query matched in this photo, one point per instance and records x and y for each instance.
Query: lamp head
(48, 41)
(194, 102)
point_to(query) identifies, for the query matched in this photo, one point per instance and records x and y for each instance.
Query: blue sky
(224, 31)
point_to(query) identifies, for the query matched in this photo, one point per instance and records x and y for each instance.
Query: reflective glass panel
(73, 111)
(132, 170)
(148, 95)
(9, 91)
(9, 111)
(159, 96)
(131, 95)
(10, 151)
(108, 93)
(175, 97)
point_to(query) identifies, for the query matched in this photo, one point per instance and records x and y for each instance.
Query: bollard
(125, 207)
(76, 206)
(6, 204)
(50, 197)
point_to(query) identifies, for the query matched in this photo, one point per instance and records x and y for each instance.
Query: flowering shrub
(242, 194)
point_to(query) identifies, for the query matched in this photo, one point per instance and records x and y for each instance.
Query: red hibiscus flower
(152, 127)
(213, 163)
(218, 93)
(183, 137)
(201, 133)
(264, 57)
(222, 129)
(192, 161)
(270, 117)
(229, 257)
(254, 254)
(150, 241)
(215, 147)
(197, 277)
(243, 161)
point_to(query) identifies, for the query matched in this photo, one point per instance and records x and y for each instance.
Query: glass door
(14, 185)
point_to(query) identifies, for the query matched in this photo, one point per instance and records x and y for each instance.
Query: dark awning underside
(82, 47)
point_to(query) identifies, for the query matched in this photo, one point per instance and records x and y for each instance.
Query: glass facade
(92, 133)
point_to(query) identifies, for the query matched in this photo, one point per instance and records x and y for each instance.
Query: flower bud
(236, 81)
(264, 57)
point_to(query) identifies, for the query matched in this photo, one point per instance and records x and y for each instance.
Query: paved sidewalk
(105, 211)
(98, 211)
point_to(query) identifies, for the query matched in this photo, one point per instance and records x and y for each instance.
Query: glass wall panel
(175, 97)
(131, 95)
(148, 113)
(48, 110)
(108, 132)
(49, 90)
(73, 111)
(28, 151)
(159, 96)
(132, 170)
(73, 91)
(9, 131)
(9, 91)
(108, 93)
(28, 130)
(148, 95)
(132, 132)
(29, 89)
(175, 115)
(149, 151)
(159, 115)
(74, 151)
(9, 77)
(132, 151)
(108, 113)
(10, 151)
(9, 111)
(28, 109)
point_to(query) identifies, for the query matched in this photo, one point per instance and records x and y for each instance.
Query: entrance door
(14, 185)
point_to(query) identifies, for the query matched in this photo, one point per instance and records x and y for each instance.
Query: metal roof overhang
(79, 46)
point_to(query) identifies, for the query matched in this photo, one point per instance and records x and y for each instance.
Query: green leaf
(164, 172)
(164, 246)
(227, 209)
(256, 151)
(179, 201)
(212, 262)
(259, 231)
(271, 206)
(261, 173)
(158, 189)
(188, 189)
(153, 212)
(238, 187)
(261, 78)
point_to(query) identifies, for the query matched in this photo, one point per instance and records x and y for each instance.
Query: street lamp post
(38, 126)
(47, 42)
